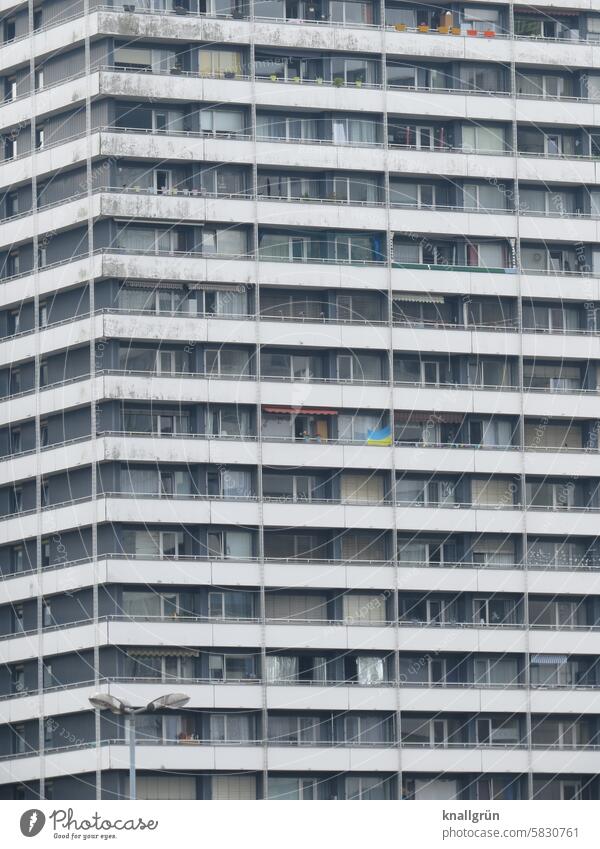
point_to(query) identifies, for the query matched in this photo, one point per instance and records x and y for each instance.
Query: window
(369, 671)
(233, 787)
(483, 139)
(492, 373)
(280, 669)
(11, 204)
(16, 499)
(18, 620)
(556, 614)
(484, 197)
(226, 361)
(357, 428)
(554, 494)
(497, 731)
(10, 28)
(47, 618)
(543, 85)
(480, 19)
(13, 264)
(139, 58)
(166, 787)
(10, 148)
(494, 611)
(19, 746)
(230, 667)
(225, 242)
(230, 728)
(154, 544)
(18, 558)
(15, 440)
(43, 314)
(230, 544)
(294, 729)
(10, 89)
(48, 676)
(357, 488)
(366, 787)
(292, 788)
(39, 79)
(220, 63)
(357, 545)
(44, 380)
(299, 606)
(178, 665)
(494, 492)
(230, 605)
(17, 679)
(39, 138)
(489, 671)
(364, 607)
(223, 122)
(150, 604)
(431, 553)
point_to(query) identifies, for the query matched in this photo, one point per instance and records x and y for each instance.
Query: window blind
(362, 488)
(233, 787)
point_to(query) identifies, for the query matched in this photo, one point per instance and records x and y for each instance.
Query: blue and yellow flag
(383, 436)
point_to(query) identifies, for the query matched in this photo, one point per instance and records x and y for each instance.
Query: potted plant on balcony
(319, 81)
(296, 79)
(129, 7)
(444, 30)
(273, 78)
(338, 82)
(400, 27)
(489, 33)
(472, 32)
(455, 30)
(229, 75)
(358, 83)
(423, 28)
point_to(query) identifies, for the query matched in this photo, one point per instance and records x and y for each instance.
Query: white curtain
(370, 670)
(236, 483)
(281, 669)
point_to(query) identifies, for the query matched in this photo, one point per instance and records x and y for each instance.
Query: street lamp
(104, 701)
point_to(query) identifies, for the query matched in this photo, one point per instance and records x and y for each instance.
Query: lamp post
(104, 701)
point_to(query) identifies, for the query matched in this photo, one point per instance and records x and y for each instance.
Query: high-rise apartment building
(299, 398)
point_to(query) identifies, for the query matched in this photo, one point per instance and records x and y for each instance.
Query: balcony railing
(300, 441)
(315, 744)
(255, 680)
(318, 381)
(302, 623)
(248, 195)
(458, 30)
(507, 325)
(172, 498)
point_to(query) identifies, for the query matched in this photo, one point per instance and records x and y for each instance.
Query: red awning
(306, 411)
